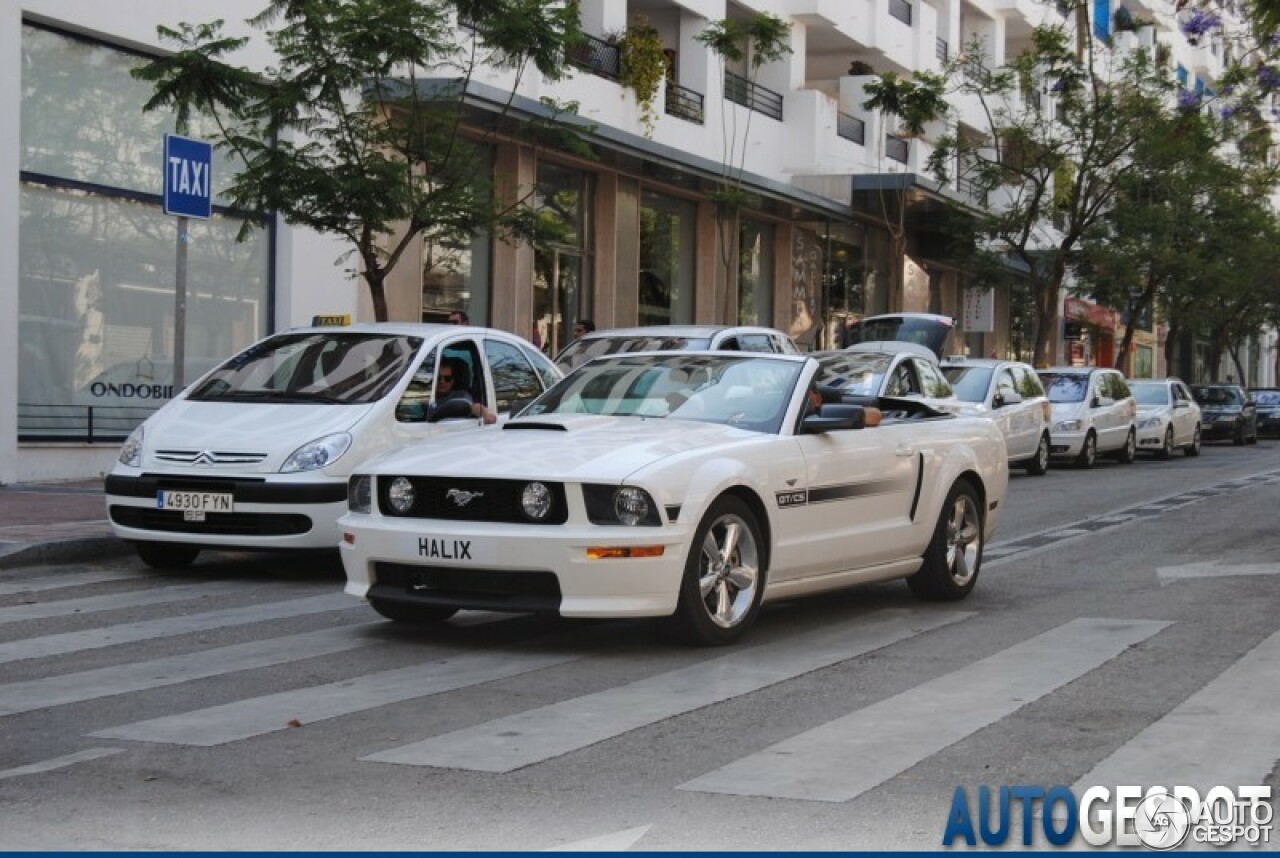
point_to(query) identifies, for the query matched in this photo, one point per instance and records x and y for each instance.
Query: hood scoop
(526, 424)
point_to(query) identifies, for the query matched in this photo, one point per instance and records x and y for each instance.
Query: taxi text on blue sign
(188, 176)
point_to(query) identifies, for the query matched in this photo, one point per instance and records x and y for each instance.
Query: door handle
(904, 451)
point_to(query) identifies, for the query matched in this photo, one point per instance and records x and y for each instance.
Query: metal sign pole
(180, 306)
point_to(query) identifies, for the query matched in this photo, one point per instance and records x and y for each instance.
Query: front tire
(413, 615)
(954, 556)
(1129, 451)
(1166, 449)
(1038, 464)
(724, 575)
(1088, 456)
(1193, 449)
(167, 555)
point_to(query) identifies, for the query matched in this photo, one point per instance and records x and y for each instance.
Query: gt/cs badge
(786, 499)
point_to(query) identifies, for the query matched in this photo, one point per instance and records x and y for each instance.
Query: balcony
(597, 56)
(684, 103)
(752, 96)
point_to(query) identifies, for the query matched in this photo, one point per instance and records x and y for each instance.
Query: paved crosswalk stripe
(68, 642)
(258, 716)
(61, 762)
(70, 579)
(114, 601)
(60, 690)
(850, 755)
(540, 734)
(1223, 735)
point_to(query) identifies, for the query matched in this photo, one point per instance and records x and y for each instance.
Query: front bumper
(1151, 438)
(1067, 445)
(1219, 428)
(486, 566)
(271, 511)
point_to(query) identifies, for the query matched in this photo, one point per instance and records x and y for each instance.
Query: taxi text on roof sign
(328, 321)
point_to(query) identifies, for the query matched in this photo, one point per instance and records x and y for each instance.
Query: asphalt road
(1125, 630)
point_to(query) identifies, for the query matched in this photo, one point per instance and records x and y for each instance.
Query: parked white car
(256, 453)
(697, 485)
(1168, 417)
(1010, 393)
(867, 371)
(1094, 414)
(674, 338)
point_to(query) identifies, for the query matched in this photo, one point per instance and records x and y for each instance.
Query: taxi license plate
(194, 505)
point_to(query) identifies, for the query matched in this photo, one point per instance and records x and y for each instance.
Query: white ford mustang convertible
(693, 485)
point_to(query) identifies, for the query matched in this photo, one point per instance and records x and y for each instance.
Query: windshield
(854, 373)
(1267, 398)
(1219, 396)
(747, 392)
(327, 367)
(580, 351)
(969, 382)
(928, 332)
(1065, 387)
(1150, 394)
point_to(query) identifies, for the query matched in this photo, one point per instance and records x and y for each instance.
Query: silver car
(1168, 417)
(1010, 393)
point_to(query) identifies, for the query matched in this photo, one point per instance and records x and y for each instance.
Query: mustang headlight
(400, 495)
(1068, 426)
(131, 450)
(1149, 423)
(536, 500)
(320, 453)
(360, 493)
(620, 505)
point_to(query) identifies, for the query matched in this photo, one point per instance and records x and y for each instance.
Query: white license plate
(437, 550)
(200, 502)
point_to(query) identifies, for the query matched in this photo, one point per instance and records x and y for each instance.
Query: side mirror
(1010, 398)
(450, 409)
(834, 418)
(1100, 401)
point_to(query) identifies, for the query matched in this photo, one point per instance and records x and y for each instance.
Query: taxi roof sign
(331, 321)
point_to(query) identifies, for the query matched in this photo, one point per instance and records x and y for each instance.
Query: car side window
(934, 383)
(542, 365)
(513, 377)
(1120, 387)
(412, 407)
(754, 343)
(473, 380)
(901, 381)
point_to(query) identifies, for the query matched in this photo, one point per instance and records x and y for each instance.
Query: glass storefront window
(560, 290)
(667, 238)
(755, 273)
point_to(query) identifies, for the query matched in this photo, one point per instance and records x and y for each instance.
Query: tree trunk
(1171, 350)
(1235, 358)
(1045, 296)
(378, 294)
(1133, 311)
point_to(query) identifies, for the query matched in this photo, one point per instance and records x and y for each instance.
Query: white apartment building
(87, 260)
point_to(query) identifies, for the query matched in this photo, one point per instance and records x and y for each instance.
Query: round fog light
(536, 501)
(400, 495)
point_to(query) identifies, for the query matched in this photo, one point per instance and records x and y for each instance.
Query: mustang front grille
(464, 499)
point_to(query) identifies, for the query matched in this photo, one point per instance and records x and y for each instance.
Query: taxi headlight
(1068, 426)
(320, 453)
(360, 493)
(535, 501)
(1149, 423)
(400, 495)
(131, 449)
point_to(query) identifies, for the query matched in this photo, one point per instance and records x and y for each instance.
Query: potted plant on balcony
(642, 67)
(858, 68)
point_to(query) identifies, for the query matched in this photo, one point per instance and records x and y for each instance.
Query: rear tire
(724, 575)
(954, 556)
(1038, 464)
(1166, 450)
(167, 555)
(1129, 451)
(1193, 449)
(413, 615)
(1088, 455)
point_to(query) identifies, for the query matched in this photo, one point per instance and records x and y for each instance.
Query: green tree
(360, 128)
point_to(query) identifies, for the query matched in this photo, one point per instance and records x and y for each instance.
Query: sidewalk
(55, 523)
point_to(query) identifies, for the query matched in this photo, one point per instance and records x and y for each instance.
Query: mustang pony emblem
(460, 497)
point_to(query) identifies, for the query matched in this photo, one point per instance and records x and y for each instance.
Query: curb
(63, 551)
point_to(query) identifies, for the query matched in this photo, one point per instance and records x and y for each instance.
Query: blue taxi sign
(188, 176)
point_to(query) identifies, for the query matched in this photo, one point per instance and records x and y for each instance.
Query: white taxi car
(1010, 393)
(695, 485)
(895, 369)
(1094, 413)
(1168, 417)
(256, 453)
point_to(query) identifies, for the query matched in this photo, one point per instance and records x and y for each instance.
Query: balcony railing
(901, 10)
(597, 56)
(684, 103)
(79, 423)
(851, 128)
(739, 90)
(895, 148)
